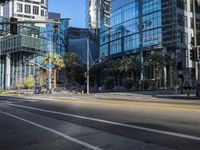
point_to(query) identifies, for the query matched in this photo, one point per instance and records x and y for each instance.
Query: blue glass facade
(31, 43)
(146, 27)
(151, 22)
(133, 25)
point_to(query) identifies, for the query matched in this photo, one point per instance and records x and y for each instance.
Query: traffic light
(13, 25)
(192, 54)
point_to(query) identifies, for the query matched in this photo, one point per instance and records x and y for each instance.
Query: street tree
(112, 66)
(123, 65)
(129, 64)
(56, 60)
(157, 61)
(171, 63)
(19, 85)
(30, 82)
(71, 61)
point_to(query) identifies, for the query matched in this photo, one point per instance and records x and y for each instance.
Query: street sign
(50, 66)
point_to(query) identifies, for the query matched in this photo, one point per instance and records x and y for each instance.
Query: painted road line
(141, 105)
(51, 98)
(154, 104)
(23, 100)
(180, 135)
(122, 103)
(53, 131)
(133, 103)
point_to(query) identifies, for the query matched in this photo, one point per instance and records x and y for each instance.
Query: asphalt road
(90, 123)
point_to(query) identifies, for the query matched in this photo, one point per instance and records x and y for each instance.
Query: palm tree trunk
(65, 73)
(122, 79)
(154, 74)
(54, 75)
(118, 79)
(165, 76)
(73, 73)
(170, 74)
(132, 75)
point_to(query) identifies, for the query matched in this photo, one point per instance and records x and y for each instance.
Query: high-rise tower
(25, 9)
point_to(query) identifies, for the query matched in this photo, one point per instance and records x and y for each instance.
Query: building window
(131, 42)
(150, 6)
(152, 37)
(104, 50)
(28, 9)
(115, 47)
(28, 1)
(152, 21)
(19, 7)
(35, 10)
(182, 4)
(42, 1)
(42, 13)
(182, 20)
(184, 38)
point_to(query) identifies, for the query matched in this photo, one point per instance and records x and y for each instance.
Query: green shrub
(1, 92)
(30, 82)
(146, 84)
(109, 83)
(12, 92)
(128, 83)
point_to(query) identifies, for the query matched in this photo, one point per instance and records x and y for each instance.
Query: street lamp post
(49, 77)
(88, 66)
(195, 46)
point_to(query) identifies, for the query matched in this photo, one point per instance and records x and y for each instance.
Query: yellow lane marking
(135, 105)
(92, 100)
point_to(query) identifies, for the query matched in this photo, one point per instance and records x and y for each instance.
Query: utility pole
(195, 46)
(88, 66)
(49, 75)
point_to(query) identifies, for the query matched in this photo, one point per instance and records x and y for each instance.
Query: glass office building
(133, 24)
(31, 43)
(143, 27)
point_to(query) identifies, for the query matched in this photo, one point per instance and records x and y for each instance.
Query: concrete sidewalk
(155, 94)
(148, 96)
(179, 98)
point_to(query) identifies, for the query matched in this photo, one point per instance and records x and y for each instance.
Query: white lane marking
(54, 131)
(51, 98)
(115, 123)
(23, 100)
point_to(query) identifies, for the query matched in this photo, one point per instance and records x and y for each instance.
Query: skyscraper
(93, 14)
(26, 10)
(95, 10)
(31, 42)
(143, 28)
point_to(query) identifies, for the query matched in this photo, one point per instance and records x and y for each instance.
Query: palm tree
(171, 63)
(57, 61)
(123, 65)
(129, 64)
(113, 68)
(157, 61)
(72, 61)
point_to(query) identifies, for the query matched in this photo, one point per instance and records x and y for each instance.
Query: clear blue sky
(74, 9)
